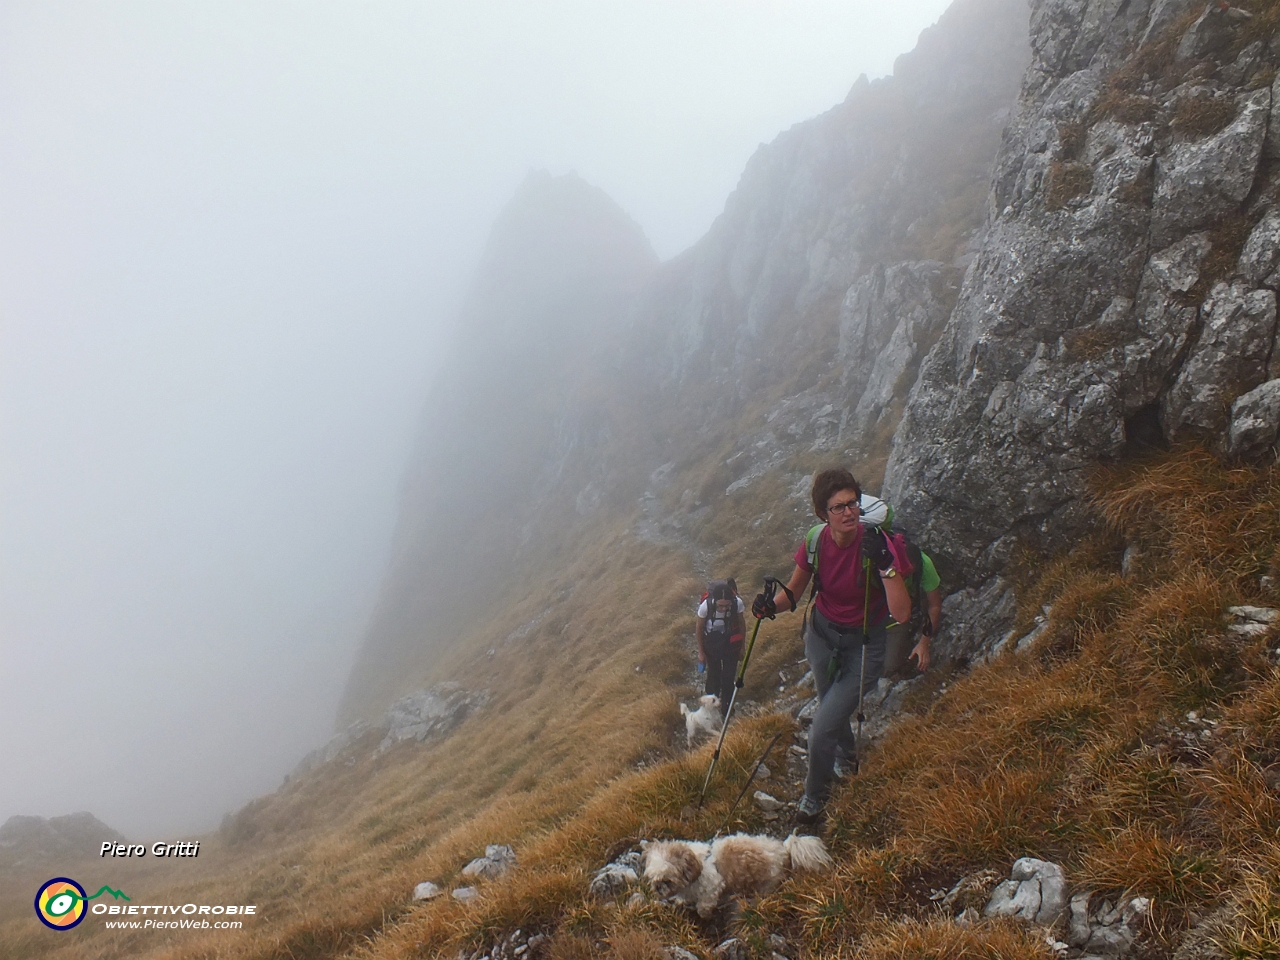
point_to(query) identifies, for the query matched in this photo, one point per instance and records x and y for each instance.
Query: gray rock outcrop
(429, 713)
(1106, 308)
(1255, 422)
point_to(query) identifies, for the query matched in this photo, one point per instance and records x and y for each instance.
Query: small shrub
(1203, 116)
(1071, 140)
(1118, 104)
(1066, 181)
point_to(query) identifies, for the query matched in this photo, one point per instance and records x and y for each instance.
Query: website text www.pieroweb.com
(187, 916)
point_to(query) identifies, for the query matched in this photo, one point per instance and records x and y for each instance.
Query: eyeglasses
(841, 508)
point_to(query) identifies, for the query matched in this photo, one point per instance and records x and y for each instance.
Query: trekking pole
(747, 785)
(862, 673)
(770, 589)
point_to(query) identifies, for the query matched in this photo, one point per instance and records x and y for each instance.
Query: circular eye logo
(60, 903)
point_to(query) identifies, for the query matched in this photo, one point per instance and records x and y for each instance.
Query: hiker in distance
(857, 591)
(721, 626)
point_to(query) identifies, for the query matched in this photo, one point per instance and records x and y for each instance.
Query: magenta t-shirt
(843, 580)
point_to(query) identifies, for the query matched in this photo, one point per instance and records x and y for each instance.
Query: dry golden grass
(1077, 752)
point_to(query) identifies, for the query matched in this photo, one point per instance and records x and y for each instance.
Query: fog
(231, 239)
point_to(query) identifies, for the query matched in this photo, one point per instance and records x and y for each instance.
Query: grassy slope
(1072, 752)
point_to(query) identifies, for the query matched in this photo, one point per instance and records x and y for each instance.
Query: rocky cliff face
(1124, 294)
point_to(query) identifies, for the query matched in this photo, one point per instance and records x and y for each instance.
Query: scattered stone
(426, 891)
(1256, 614)
(1036, 892)
(613, 878)
(1078, 922)
(732, 949)
(1246, 623)
(465, 894)
(497, 860)
(767, 803)
(1109, 930)
(970, 891)
(679, 953)
(636, 900)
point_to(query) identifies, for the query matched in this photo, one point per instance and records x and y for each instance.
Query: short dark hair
(829, 482)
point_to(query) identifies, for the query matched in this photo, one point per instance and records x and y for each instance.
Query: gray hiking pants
(838, 688)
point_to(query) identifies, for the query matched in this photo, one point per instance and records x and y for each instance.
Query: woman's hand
(920, 654)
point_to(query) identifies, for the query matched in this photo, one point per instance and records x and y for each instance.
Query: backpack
(878, 516)
(735, 622)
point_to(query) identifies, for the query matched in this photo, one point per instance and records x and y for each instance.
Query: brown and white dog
(700, 874)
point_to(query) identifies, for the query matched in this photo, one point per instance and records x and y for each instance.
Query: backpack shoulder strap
(811, 541)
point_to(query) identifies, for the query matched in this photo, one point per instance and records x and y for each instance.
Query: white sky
(230, 237)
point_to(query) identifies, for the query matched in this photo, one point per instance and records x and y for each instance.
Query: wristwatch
(888, 574)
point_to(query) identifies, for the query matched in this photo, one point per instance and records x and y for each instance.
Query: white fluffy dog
(700, 874)
(707, 718)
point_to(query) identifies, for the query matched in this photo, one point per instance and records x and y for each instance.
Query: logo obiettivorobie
(60, 902)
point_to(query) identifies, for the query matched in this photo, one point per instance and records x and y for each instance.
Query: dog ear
(687, 863)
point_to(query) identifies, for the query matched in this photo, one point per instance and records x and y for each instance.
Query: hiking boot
(808, 810)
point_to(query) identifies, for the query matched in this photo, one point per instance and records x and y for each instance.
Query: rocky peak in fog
(558, 270)
(30, 841)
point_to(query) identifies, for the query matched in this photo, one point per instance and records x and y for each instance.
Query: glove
(702, 667)
(876, 550)
(762, 607)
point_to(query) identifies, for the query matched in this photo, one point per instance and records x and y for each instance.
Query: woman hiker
(857, 593)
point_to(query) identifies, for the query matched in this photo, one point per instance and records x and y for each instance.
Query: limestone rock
(1036, 892)
(612, 880)
(465, 894)
(426, 891)
(1228, 360)
(497, 860)
(1255, 422)
(732, 949)
(429, 713)
(767, 803)
(1261, 253)
(889, 318)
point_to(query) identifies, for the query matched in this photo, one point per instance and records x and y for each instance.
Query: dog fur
(701, 875)
(706, 718)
